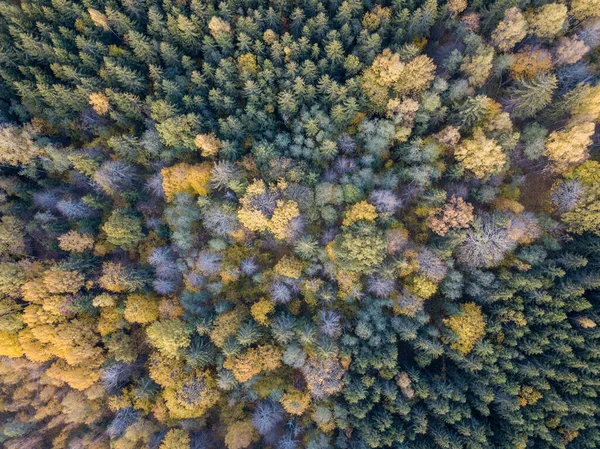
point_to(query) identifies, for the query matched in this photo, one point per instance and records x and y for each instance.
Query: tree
(323, 376)
(253, 361)
(456, 214)
(75, 242)
(569, 51)
(218, 26)
(140, 308)
(531, 62)
(187, 394)
(295, 402)
(99, 103)
(17, 146)
(115, 177)
(11, 235)
(176, 439)
(12, 277)
(360, 211)
(584, 105)
(266, 416)
(480, 155)
(9, 345)
(486, 243)
(168, 336)
(289, 267)
(578, 198)
(457, 6)
(548, 20)
(478, 66)
(569, 147)
(510, 31)
(62, 281)
(253, 218)
(388, 73)
(208, 144)
(582, 9)
(240, 435)
(469, 325)
(187, 178)
(261, 309)
(123, 228)
(360, 248)
(119, 278)
(527, 97)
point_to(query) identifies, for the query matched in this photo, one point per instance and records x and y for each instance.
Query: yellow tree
(569, 147)
(75, 242)
(261, 309)
(168, 336)
(469, 326)
(184, 177)
(548, 20)
(176, 439)
(188, 394)
(141, 308)
(511, 30)
(240, 435)
(295, 402)
(17, 146)
(388, 75)
(255, 220)
(586, 104)
(480, 155)
(478, 67)
(208, 144)
(585, 216)
(99, 102)
(585, 9)
(360, 211)
(252, 362)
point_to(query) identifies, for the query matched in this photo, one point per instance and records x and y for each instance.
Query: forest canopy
(299, 224)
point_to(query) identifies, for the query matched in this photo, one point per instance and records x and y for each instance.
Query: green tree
(123, 228)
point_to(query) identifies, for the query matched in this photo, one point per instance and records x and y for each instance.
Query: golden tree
(176, 439)
(99, 102)
(478, 67)
(511, 30)
(569, 147)
(295, 402)
(480, 155)
(240, 435)
(585, 9)
(360, 211)
(548, 20)
(188, 178)
(469, 325)
(252, 362)
(208, 144)
(141, 308)
(75, 242)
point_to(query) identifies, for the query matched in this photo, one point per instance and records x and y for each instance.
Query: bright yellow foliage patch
(255, 220)
(252, 362)
(360, 211)
(295, 402)
(469, 326)
(260, 311)
(480, 155)
(289, 267)
(208, 144)
(184, 177)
